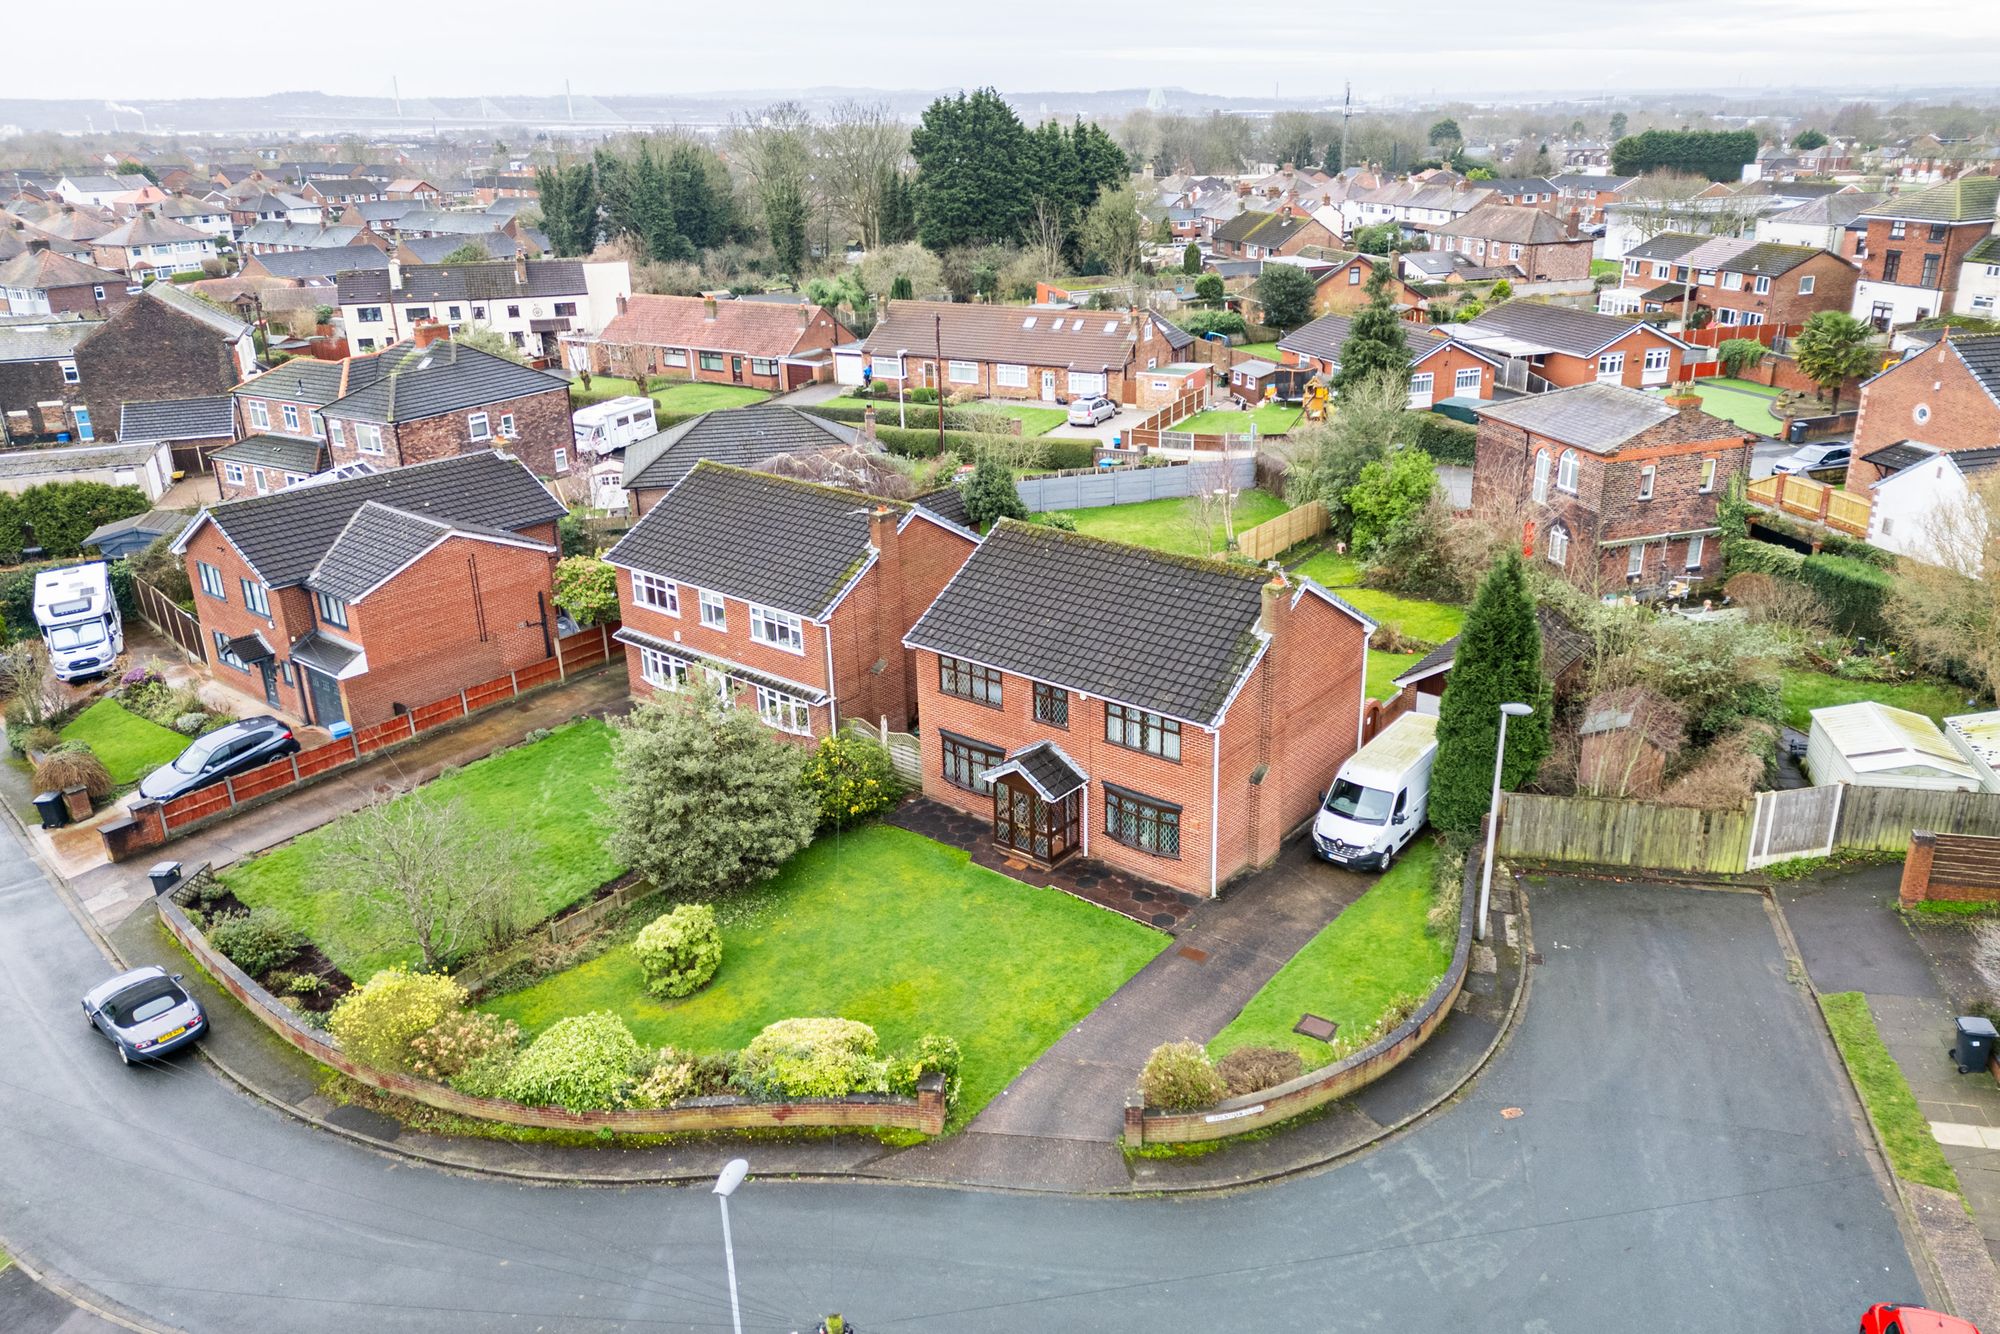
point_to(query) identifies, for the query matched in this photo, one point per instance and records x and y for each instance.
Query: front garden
(678, 398)
(103, 745)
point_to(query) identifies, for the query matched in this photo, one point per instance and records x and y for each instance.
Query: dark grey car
(224, 752)
(145, 1013)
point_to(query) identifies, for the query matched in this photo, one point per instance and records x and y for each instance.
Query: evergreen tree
(569, 207)
(1498, 661)
(785, 218)
(902, 289)
(1832, 348)
(1375, 341)
(1617, 126)
(699, 190)
(1286, 291)
(1191, 258)
(969, 152)
(899, 208)
(990, 495)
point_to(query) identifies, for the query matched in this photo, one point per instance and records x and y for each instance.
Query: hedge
(1060, 452)
(918, 415)
(1853, 590)
(1749, 556)
(58, 516)
(1445, 440)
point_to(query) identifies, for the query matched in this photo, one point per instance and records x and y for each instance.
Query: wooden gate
(1799, 822)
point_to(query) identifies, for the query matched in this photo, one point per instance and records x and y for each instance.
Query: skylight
(1029, 323)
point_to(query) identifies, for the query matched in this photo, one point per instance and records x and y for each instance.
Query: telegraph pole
(937, 331)
(1346, 114)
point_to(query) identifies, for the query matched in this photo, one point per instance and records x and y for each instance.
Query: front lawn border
(924, 1114)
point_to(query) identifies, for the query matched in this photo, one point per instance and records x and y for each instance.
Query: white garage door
(1082, 385)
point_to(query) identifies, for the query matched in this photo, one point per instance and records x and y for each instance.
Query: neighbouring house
(1735, 281)
(1449, 267)
(1617, 488)
(1564, 655)
(353, 600)
(39, 281)
(1946, 396)
(413, 187)
(146, 466)
(758, 344)
(278, 237)
(1875, 745)
(192, 428)
(1916, 247)
(1979, 281)
(257, 465)
(1589, 195)
(741, 437)
(1343, 289)
(1834, 222)
(1020, 352)
(1542, 247)
(1926, 503)
(1553, 346)
(98, 191)
(153, 245)
(789, 597)
(1441, 367)
(1172, 718)
(533, 302)
(1254, 235)
(317, 267)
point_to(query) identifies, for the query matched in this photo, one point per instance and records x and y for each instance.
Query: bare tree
(1047, 232)
(1946, 603)
(26, 681)
(775, 148)
(1663, 201)
(424, 873)
(860, 144)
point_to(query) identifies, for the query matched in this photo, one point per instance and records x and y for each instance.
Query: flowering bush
(851, 779)
(813, 1058)
(460, 1040)
(679, 951)
(140, 676)
(1179, 1078)
(583, 1063)
(377, 1022)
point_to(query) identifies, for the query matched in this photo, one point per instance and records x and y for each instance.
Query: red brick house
(1021, 352)
(1441, 367)
(38, 281)
(1170, 717)
(1738, 282)
(1946, 396)
(1254, 235)
(1619, 489)
(789, 597)
(1343, 289)
(741, 437)
(1916, 247)
(1564, 347)
(1544, 248)
(358, 599)
(762, 344)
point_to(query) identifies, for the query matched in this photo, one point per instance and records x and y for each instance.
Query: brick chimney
(891, 620)
(708, 309)
(430, 331)
(1570, 225)
(868, 422)
(520, 265)
(805, 314)
(622, 303)
(1683, 399)
(1271, 614)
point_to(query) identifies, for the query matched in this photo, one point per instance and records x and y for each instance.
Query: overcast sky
(1445, 48)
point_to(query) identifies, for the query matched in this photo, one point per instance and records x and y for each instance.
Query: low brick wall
(1951, 868)
(1254, 1111)
(925, 1113)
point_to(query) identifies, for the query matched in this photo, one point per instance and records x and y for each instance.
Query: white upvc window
(714, 611)
(1011, 377)
(779, 629)
(1611, 366)
(1753, 317)
(962, 372)
(1541, 476)
(1695, 545)
(1646, 475)
(561, 457)
(1708, 467)
(260, 416)
(1566, 472)
(368, 437)
(787, 713)
(1806, 285)
(1763, 283)
(674, 356)
(1725, 316)
(70, 374)
(1657, 358)
(1732, 282)
(290, 412)
(1635, 560)
(1663, 270)
(1421, 386)
(1513, 252)
(1558, 545)
(478, 426)
(232, 473)
(649, 590)
(1466, 382)
(661, 669)
(507, 424)
(318, 425)
(887, 368)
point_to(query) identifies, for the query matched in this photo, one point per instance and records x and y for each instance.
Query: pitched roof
(947, 502)
(380, 540)
(1325, 336)
(487, 281)
(1517, 224)
(44, 269)
(1265, 229)
(45, 340)
(178, 419)
(741, 437)
(64, 460)
(753, 328)
(148, 230)
(1770, 259)
(1667, 245)
(1602, 418)
(275, 451)
(771, 540)
(433, 249)
(1986, 252)
(1166, 633)
(216, 318)
(300, 265)
(1831, 210)
(1083, 340)
(1047, 769)
(311, 381)
(412, 382)
(1578, 333)
(284, 535)
(1981, 355)
(1967, 199)
(1562, 646)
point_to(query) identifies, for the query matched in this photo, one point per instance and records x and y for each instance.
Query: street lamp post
(725, 1186)
(1493, 813)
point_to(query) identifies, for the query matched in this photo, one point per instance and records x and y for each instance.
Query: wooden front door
(1025, 824)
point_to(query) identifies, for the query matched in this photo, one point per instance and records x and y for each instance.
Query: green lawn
(887, 927)
(1268, 351)
(548, 791)
(1413, 618)
(1743, 386)
(1802, 691)
(1383, 669)
(130, 746)
(683, 396)
(1034, 420)
(1913, 1151)
(1605, 268)
(1173, 524)
(1331, 569)
(1271, 419)
(1751, 411)
(1381, 949)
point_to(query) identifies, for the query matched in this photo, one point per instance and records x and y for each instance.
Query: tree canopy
(1286, 291)
(981, 173)
(1375, 341)
(1718, 155)
(1832, 348)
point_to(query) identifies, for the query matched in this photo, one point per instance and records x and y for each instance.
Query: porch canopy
(1044, 768)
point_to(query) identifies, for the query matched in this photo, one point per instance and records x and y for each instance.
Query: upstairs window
(260, 416)
(1646, 475)
(649, 590)
(255, 596)
(779, 629)
(1566, 472)
(1541, 492)
(290, 412)
(477, 426)
(1136, 729)
(714, 611)
(1052, 705)
(211, 580)
(970, 681)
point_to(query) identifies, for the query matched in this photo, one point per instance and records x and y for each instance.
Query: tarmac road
(1683, 1159)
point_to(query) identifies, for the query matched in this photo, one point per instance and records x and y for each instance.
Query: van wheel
(1388, 860)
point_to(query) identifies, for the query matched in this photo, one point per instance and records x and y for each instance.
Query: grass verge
(1173, 525)
(130, 746)
(1914, 1154)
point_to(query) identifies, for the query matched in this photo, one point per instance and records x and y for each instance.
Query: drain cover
(1534, 956)
(1315, 1027)
(1189, 952)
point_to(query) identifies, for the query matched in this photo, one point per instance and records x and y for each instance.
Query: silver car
(1090, 411)
(145, 1013)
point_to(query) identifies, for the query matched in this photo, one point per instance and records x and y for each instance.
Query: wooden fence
(906, 755)
(1286, 531)
(165, 615)
(1792, 494)
(1881, 818)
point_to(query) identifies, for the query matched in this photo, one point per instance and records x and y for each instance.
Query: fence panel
(1606, 832)
(1289, 529)
(165, 615)
(1130, 486)
(1800, 822)
(1883, 817)
(436, 713)
(263, 780)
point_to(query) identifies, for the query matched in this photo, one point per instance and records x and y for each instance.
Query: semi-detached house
(534, 303)
(1173, 718)
(1019, 352)
(787, 597)
(1440, 366)
(1541, 346)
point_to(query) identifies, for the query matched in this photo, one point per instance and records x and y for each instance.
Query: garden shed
(1873, 745)
(1977, 738)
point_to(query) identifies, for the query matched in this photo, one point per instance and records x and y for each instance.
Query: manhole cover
(1534, 956)
(1191, 953)
(1315, 1027)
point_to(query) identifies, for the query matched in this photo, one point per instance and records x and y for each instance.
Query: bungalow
(786, 596)
(357, 599)
(759, 344)
(1254, 235)
(739, 437)
(1544, 346)
(1441, 367)
(1175, 719)
(1019, 352)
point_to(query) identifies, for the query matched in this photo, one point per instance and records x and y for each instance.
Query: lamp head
(732, 1177)
(1517, 710)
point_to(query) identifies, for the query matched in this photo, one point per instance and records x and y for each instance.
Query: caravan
(79, 620)
(1380, 797)
(606, 428)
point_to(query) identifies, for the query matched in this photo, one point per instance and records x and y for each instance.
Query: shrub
(679, 1075)
(377, 1021)
(1062, 523)
(1252, 1069)
(41, 739)
(1179, 1078)
(1753, 556)
(487, 1077)
(68, 768)
(256, 941)
(1738, 355)
(679, 951)
(1202, 323)
(851, 779)
(1208, 287)
(813, 1058)
(933, 1053)
(305, 984)
(991, 494)
(459, 1041)
(1445, 440)
(141, 676)
(1853, 590)
(583, 1063)
(188, 724)
(586, 588)
(1060, 454)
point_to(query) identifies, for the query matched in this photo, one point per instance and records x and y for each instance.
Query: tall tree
(1617, 127)
(1831, 349)
(1945, 608)
(1286, 293)
(969, 150)
(899, 208)
(569, 207)
(857, 150)
(1112, 230)
(1375, 343)
(775, 147)
(1498, 661)
(1445, 137)
(1808, 139)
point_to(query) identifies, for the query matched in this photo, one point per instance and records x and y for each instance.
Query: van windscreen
(1365, 804)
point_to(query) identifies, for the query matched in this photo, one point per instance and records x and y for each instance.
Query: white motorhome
(79, 620)
(607, 427)
(1380, 797)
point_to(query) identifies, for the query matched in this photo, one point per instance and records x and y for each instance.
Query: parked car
(1092, 410)
(145, 1013)
(225, 751)
(1815, 458)
(1889, 1318)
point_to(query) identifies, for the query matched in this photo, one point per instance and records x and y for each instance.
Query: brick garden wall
(1951, 868)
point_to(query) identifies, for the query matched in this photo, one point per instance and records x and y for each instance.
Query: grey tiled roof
(1044, 766)
(1967, 199)
(45, 340)
(492, 280)
(326, 262)
(947, 502)
(178, 419)
(195, 308)
(433, 249)
(1981, 355)
(151, 525)
(274, 451)
(1165, 633)
(378, 541)
(1597, 417)
(283, 535)
(1562, 646)
(1667, 245)
(1901, 455)
(1577, 332)
(783, 543)
(412, 382)
(742, 437)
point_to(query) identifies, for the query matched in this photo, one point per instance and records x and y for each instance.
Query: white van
(1380, 797)
(607, 427)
